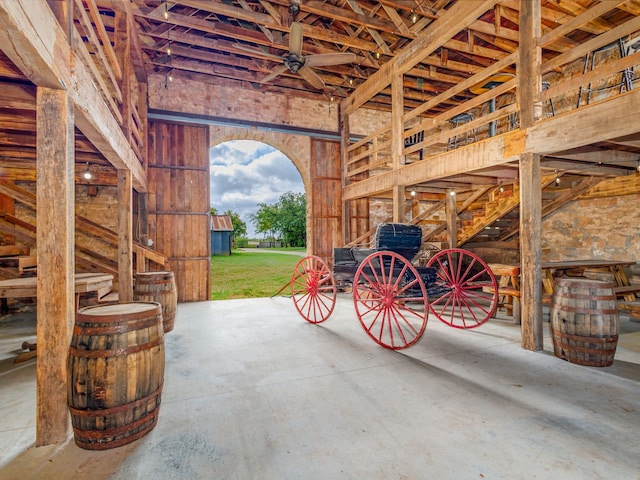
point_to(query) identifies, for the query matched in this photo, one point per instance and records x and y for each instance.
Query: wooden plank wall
(178, 204)
(326, 195)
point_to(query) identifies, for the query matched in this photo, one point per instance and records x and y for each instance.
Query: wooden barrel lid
(119, 308)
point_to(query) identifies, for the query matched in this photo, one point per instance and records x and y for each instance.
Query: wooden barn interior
(508, 128)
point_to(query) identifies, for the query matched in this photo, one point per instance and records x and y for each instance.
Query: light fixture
(413, 193)
(294, 9)
(557, 178)
(452, 193)
(166, 10)
(169, 49)
(414, 16)
(638, 167)
(87, 173)
(377, 55)
(501, 189)
(350, 81)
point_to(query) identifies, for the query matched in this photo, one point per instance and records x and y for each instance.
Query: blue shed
(221, 231)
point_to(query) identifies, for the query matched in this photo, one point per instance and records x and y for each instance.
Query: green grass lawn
(250, 275)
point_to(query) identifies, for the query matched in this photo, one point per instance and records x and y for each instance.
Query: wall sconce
(87, 173)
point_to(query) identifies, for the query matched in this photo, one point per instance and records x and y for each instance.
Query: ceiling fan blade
(295, 39)
(259, 53)
(274, 74)
(312, 77)
(324, 59)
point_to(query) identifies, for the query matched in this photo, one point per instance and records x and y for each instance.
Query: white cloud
(245, 173)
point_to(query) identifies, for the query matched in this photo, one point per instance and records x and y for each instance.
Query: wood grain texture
(178, 204)
(55, 239)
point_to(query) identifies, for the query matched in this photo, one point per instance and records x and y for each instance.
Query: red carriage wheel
(465, 291)
(313, 289)
(390, 300)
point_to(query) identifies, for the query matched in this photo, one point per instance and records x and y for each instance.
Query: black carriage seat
(401, 238)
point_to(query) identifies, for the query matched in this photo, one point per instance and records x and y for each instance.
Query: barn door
(326, 198)
(178, 204)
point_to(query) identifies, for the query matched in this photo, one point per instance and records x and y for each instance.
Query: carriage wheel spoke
(313, 289)
(390, 300)
(467, 304)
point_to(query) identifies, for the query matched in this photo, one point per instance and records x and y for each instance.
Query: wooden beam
(479, 155)
(452, 218)
(440, 31)
(598, 122)
(531, 252)
(55, 240)
(96, 122)
(529, 78)
(32, 38)
(125, 242)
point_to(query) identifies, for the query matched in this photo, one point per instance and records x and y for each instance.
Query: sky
(245, 173)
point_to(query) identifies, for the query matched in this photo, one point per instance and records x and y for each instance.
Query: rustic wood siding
(326, 194)
(179, 204)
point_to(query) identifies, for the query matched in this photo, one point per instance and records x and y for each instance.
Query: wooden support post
(399, 213)
(451, 211)
(415, 207)
(125, 243)
(529, 87)
(531, 252)
(55, 309)
(397, 145)
(343, 126)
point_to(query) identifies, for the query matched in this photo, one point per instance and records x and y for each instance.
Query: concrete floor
(254, 392)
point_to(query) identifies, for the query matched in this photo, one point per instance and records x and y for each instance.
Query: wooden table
(509, 282)
(622, 286)
(27, 287)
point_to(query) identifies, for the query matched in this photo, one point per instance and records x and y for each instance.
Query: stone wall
(602, 228)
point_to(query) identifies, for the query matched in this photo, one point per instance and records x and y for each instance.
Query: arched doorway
(246, 173)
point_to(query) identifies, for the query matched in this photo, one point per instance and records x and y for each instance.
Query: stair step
(110, 297)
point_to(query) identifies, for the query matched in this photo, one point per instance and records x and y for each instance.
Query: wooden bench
(508, 288)
(628, 292)
(633, 308)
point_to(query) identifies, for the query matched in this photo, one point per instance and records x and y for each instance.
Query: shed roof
(221, 223)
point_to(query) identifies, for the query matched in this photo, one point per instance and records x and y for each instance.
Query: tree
(291, 221)
(286, 218)
(265, 219)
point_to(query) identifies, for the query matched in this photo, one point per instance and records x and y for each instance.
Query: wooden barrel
(115, 373)
(584, 321)
(158, 287)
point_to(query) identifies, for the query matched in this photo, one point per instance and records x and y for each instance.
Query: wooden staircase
(491, 213)
(95, 243)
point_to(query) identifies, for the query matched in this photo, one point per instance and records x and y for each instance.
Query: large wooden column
(345, 132)
(55, 239)
(451, 212)
(531, 252)
(125, 241)
(397, 144)
(529, 87)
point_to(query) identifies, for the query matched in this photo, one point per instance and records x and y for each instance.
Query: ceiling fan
(295, 62)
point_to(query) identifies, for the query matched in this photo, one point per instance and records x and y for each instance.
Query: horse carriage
(393, 296)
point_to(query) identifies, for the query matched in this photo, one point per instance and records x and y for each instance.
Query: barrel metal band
(120, 408)
(75, 352)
